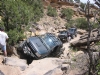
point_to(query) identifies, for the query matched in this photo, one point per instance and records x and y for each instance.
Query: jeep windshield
(71, 30)
(63, 32)
(48, 40)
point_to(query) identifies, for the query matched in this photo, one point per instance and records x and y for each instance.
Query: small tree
(36, 7)
(51, 11)
(15, 36)
(16, 13)
(77, 1)
(70, 24)
(2, 24)
(67, 13)
(82, 5)
(81, 23)
(71, 1)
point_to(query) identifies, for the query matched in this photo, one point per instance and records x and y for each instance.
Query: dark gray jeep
(72, 32)
(64, 36)
(42, 46)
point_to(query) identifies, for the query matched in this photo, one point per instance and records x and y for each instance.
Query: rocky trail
(67, 45)
(70, 63)
(16, 66)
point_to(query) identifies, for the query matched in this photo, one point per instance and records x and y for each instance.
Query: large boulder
(80, 64)
(80, 31)
(56, 71)
(15, 61)
(9, 70)
(46, 66)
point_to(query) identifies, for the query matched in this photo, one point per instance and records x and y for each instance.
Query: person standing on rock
(3, 38)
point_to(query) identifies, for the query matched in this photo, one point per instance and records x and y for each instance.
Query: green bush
(69, 24)
(2, 24)
(51, 11)
(17, 13)
(81, 23)
(98, 67)
(71, 1)
(82, 5)
(95, 25)
(37, 9)
(14, 36)
(67, 13)
(77, 1)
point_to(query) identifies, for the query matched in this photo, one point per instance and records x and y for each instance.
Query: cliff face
(59, 2)
(55, 24)
(65, 2)
(78, 11)
(55, 1)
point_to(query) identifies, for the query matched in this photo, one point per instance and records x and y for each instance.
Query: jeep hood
(38, 46)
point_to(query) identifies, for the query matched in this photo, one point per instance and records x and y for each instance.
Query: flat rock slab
(9, 70)
(43, 66)
(12, 61)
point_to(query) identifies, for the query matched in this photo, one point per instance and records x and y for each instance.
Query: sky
(85, 1)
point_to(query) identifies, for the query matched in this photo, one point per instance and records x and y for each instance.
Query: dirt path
(67, 45)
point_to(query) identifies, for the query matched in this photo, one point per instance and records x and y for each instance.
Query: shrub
(82, 5)
(70, 23)
(77, 1)
(95, 25)
(81, 23)
(17, 13)
(2, 24)
(98, 67)
(14, 36)
(67, 13)
(51, 11)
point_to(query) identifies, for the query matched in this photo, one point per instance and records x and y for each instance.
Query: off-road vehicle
(72, 32)
(64, 36)
(42, 46)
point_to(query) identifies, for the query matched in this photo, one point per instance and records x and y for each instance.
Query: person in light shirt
(3, 38)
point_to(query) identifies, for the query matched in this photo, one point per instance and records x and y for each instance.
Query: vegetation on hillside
(82, 5)
(67, 13)
(79, 23)
(17, 13)
(77, 1)
(51, 11)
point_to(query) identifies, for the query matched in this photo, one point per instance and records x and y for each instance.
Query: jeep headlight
(26, 50)
(38, 54)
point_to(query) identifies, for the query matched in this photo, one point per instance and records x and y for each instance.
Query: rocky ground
(71, 62)
(64, 65)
